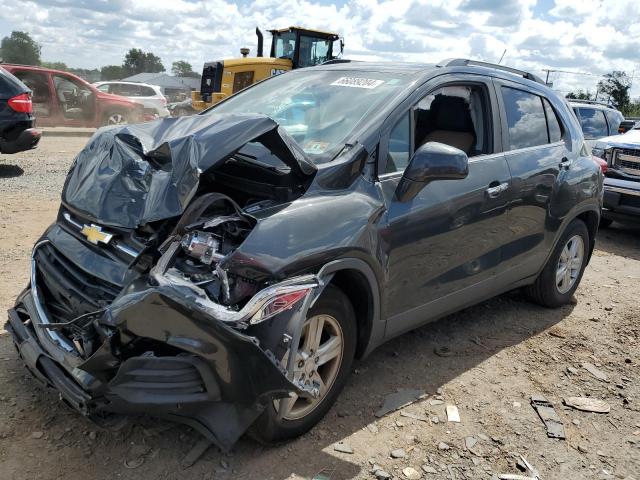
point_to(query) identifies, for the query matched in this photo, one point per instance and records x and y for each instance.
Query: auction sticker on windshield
(357, 82)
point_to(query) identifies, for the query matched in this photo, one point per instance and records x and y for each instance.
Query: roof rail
(336, 60)
(591, 102)
(465, 62)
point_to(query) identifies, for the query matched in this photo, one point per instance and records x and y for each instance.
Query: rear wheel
(562, 273)
(326, 351)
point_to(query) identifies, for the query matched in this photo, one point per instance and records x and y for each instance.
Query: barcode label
(357, 82)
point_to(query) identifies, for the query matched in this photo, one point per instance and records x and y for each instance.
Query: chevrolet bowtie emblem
(95, 234)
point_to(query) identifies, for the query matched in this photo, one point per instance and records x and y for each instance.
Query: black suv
(16, 115)
(225, 269)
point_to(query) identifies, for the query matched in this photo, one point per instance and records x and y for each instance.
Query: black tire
(545, 289)
(270, 430)
(110, 115)
(605, 222)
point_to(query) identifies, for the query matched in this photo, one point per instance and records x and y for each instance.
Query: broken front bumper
(218, 383)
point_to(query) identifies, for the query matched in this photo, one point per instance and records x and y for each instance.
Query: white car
(150, 96)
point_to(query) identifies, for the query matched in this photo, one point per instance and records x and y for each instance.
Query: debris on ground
(415, 416)
(429, 469)
(546, 412)
(587, 404)
(411, 473)
(37, 435)
(452, 413)
(343, 447)
(398, 453)
(443, 351)
(399, 399)
(595, 371)
(530, 471)
(324, 474)
(195, 453)
(443, 446)
(382, 475)
(135, 456)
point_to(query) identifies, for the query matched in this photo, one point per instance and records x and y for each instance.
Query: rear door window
(38, 83)
(593, 123)
(526, 119)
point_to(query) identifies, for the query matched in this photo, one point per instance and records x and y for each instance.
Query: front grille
(66, 290)
(627, 160)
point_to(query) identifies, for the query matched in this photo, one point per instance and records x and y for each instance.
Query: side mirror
(432, 161)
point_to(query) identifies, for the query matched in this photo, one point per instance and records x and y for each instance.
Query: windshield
(318, 108)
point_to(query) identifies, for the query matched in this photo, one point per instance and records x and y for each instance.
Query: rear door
(537, 149)
(445, 246)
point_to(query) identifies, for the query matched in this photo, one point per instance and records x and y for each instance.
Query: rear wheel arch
(591, 219)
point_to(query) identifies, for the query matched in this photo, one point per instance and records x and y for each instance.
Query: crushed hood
(131, 175)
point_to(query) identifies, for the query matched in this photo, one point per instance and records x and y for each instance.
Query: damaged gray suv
(224, 270)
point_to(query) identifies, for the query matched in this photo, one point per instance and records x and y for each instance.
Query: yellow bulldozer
(292, 47)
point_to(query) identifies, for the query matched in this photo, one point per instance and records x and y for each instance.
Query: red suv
(61, 99)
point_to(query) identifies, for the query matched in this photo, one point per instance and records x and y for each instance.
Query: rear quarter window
(147, 92)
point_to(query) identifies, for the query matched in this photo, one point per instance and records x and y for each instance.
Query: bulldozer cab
(304, 47)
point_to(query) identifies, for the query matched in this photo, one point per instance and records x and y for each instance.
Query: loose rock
(411, 473)
(343, 448)
(398, 453)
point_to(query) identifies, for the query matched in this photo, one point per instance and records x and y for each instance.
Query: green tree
(615, 86)
(182, 68)
(137, 61)
(19, 47)
(112, 72)
(580, 95)
(55, 65)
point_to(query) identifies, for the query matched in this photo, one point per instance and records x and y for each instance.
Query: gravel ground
(487, 360)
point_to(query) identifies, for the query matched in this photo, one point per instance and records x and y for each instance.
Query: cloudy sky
(587, 36)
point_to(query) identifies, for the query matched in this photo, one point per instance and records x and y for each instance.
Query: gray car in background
(597, 119)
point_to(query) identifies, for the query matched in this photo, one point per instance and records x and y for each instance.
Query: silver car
(150, 96)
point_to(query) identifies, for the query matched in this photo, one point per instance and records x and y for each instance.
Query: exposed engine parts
(201, 245)
(212, 228)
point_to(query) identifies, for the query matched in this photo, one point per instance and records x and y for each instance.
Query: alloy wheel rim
(569, 264)
(317, 364)
(116, 119)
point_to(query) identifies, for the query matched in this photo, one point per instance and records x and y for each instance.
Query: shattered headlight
(278, 304)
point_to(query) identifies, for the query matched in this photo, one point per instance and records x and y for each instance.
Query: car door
(444, 247)
(76, 101)
(45, 108)
(537, 149)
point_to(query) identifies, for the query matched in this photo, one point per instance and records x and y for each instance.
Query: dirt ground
(497, 355)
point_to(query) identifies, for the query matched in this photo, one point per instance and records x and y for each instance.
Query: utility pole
(503, 53)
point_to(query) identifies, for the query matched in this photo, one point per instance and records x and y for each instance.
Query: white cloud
(591, 36)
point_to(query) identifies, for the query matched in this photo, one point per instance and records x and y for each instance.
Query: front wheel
(325, 355)
(562, 274)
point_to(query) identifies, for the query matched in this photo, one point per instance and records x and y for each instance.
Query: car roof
(111, 82)
(424, 71)
(589, 104)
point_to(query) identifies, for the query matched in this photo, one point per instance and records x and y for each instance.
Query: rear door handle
(565, 163)
(494, 192)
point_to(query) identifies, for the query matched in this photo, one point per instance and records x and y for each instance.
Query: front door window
(76, 100)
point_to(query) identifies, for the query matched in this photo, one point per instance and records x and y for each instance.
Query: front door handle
(565, 163)
(494, 192)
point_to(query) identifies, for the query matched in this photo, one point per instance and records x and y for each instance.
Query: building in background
(173, 88)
